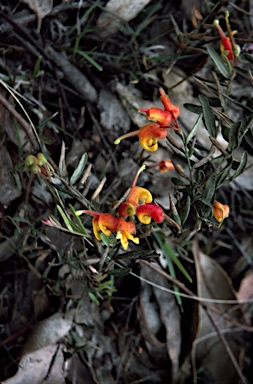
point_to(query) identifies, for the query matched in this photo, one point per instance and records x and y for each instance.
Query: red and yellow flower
(107, 223)
(162, 120)
(167, 117)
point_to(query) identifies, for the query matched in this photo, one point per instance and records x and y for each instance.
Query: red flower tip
(168, 106)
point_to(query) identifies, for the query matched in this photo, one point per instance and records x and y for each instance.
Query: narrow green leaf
(221, 66)
(170, 252)
(65, 219)
(108, 241)
(249, 137)
(248, 57)
(185, 210)
(92, 61)
(79, 169)
(206, 208)
(93, 298)
(119, 272)
(223, 175)
(79, 221)
(242, 166)
(138, 255)
(194, 129)
(177, 181)
(209, 189)
(193, 108)
(209, 118)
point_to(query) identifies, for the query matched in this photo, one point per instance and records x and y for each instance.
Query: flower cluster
(162, 119)
(139, 203)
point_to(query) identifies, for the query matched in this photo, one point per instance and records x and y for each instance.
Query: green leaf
(93, 298)
(119, 272)
(88, 58)
(248, 57)
(193, 108)
(221, 66)
(209, 189)
(233, 136)
(206, 209)
(80, 226)
(170, 253)
(242, 166)
(65, 218)
(108, 241)
(194, 129)
(223, 174)
(185, 210)
(79, 169)
(249, 137)
(138, 255)
(199, 176)
(177, 181)
(209, 118)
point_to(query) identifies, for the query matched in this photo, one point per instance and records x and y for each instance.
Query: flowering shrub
(203, 169)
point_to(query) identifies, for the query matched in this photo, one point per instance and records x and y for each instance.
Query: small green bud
(30, 160)
(35, 168)
(41, 159)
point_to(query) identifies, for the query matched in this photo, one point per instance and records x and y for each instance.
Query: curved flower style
(106, 223)
(149, 135)
(149, 211)
(138, 196)
(220, 211)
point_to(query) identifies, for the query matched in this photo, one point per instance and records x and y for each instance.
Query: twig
(27, 127)
(75, 77)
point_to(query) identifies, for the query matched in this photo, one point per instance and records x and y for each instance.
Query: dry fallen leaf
(116, 12)
(42, 366)
(41, 8)
(208, 350)
(154, 314)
